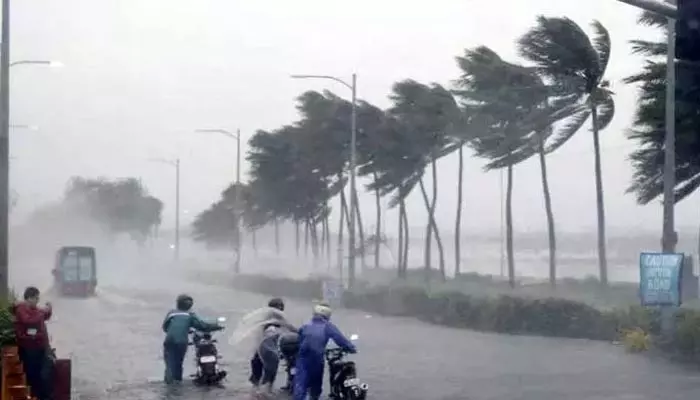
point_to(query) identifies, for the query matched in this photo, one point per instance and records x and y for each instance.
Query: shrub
(636, 340)
(7, 332)
(636, 326)
(686, 338)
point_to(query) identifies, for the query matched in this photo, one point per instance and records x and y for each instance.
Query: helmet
(276, 303)
(184, 302)
(323, 309)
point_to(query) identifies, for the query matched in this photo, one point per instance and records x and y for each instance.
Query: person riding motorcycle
(313, 338)
(177, 325)
(265, 361)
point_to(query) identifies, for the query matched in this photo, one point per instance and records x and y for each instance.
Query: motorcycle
(345, 385)
(288, 344)
(207, 357)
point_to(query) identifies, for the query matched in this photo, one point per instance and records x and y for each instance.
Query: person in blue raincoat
(177, 325)
(313, 338)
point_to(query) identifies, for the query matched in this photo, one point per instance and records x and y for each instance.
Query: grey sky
(141, 75)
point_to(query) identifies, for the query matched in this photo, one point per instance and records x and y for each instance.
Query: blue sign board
(660, 279)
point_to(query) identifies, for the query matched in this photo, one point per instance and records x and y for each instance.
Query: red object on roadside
(62, 379)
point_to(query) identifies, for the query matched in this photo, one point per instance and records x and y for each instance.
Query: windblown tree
(503, 102)
(371, 141)
(573, 66)
(120, 206)
(427, 113)
(649, 128)
(288, 181)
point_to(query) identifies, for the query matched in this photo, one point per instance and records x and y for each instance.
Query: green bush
(7, 332)
(553, 317)
(504, 314)
(284, 287)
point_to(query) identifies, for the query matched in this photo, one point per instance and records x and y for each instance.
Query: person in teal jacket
(177, 325)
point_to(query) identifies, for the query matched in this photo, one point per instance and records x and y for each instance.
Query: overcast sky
(141, 75)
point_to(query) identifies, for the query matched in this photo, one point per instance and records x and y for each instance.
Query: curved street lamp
(353, 154)
(54, 64)
(237, 137)
(175, 164)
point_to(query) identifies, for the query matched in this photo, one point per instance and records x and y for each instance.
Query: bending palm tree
(573, 65)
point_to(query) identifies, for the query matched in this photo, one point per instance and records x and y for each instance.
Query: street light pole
(37, 62)
(669, 237)
(175, 164)
(4, 149)
(353, 161)
(667, 10)
(177, 209)
(237, 240)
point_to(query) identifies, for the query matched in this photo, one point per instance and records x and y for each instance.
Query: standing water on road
(115, 343)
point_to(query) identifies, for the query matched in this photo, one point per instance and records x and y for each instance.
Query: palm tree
(650, 125)
(428, 112)
(501, 99)
(574, 65)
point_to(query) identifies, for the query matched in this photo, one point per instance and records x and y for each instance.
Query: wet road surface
(115, 343)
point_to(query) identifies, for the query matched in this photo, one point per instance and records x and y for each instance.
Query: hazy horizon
(141, 76)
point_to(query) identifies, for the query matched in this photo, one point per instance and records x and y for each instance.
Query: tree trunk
(509, 227)
(458, 219)
(427, 253)
(360, 231)
(406, 239)
(306, 239)
(378, 229)
(322, 249)
(313, 232)
(296, 236)
(254, 236)
(346, 211)
(550, 216)
(277, 236)
(399, 267)
(602, 256)
(438, 240)
(327, 226)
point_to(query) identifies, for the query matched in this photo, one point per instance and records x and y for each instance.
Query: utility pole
(353, 194)
(236, 194)
(177, 209)
(669, 237)
(237, 201)
(4, 150)
(353, 163)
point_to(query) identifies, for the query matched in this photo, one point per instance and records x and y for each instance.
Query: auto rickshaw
(75, 272)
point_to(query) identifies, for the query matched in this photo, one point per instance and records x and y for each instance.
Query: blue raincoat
(313, 338)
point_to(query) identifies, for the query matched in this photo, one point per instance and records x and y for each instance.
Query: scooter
(209, 372)
(345, 385)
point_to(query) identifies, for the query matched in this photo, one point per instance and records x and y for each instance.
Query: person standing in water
(176, 326)
(265, 362)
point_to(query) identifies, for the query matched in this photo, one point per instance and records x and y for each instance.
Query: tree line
(118, 206)
(504, 111)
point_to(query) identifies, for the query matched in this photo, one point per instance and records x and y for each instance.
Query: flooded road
(115, 343)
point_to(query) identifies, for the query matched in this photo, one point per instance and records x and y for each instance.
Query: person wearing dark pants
(33, 342)
(256, 369)
(174, 356)
(176, 326)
